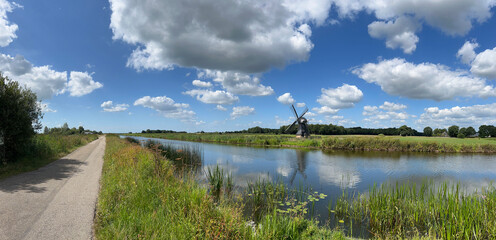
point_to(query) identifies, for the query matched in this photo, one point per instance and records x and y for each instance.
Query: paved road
(54, 202)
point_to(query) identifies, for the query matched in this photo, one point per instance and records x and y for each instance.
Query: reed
(410, 210)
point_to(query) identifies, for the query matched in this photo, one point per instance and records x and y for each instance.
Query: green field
(44, 149)
(342, 142)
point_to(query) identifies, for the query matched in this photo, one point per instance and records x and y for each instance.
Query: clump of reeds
(409, 210)
(185, 158)
(220, 182)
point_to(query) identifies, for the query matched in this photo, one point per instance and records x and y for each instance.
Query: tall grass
(409, 210)
(45, 148)
(138, 202)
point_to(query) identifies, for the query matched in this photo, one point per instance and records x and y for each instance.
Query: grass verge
(44, 149)
(142, 198)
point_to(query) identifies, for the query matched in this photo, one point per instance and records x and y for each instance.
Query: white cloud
(387, 115)
(300, 105)
(484, 64)
(238, 83)
(242, 111)
(46, 108)
(213, 97)
(200, 83)
(389, 106)
(167, 107)
(334, 99)
(7, 29)
(286, 99)
(109, 106)
(325, 110)
(399, 33)
(423, 81)
(466, 53)
(81, 83)
(475, 116)
(43, 80)
(244, 36)
(221, 108)
(454, 17)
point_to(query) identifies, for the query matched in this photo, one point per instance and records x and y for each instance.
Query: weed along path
(56, 201)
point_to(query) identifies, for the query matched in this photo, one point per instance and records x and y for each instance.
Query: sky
(210, 65)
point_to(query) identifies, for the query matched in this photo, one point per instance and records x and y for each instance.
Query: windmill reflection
(299, 164)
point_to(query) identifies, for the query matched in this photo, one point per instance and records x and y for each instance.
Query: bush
(460, 135)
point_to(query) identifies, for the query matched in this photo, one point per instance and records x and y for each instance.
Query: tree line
(65, 130)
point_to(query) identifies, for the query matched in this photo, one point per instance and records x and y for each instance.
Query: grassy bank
(352, 143)
(143, 198)
(44, 149)
(408, 210)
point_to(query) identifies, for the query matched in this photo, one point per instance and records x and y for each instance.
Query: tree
(463, 131)
(46, 130)
(81, 129)
(406, 131)
(460, 135)
(428, 131)
(470, 132)
(20, 116)
(453, 131)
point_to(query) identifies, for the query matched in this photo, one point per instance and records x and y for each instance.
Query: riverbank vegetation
(410, 210)
(342, 142)
(143, 197)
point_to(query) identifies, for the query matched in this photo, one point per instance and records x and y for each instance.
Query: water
(332, 173)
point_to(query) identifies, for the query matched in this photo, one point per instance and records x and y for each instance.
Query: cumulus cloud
(388, 114)
(389, 106)
(423, 81)
(167, 107)
(244, 36)
(300, 105)
(474, 115)
(82, 83)
(334, 99)
(7, 29)
(109, 106)
(466, 53)
(213, 97)
(43, 80)
(286, 99)
(484, 64)
(45, 108)
(454, 17)
(200, 83)
(242, 111)
(399, 33)
(221, 108)
(238, 83)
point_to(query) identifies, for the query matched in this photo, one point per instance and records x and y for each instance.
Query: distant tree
(453, 131)
(20, 116)
(460, 135)
(463, 131)
(487, 130)
(46, 130)
(470, 132)
(81, 129)
(65, 126)
(439, 131)
(428, 131)
(406, 131)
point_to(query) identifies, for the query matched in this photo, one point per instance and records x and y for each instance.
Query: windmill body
(302, 124)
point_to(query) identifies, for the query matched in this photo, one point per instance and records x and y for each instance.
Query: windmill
(302, 124)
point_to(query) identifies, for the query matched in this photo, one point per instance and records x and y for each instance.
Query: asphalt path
(56, 201)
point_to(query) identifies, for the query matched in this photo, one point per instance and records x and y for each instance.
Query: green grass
(411, 210)
(342, 142)
(142, 198)
(45, 148)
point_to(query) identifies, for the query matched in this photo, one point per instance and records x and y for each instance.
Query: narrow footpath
(56, 201)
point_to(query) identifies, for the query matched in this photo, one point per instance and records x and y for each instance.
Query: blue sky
(352, 63)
